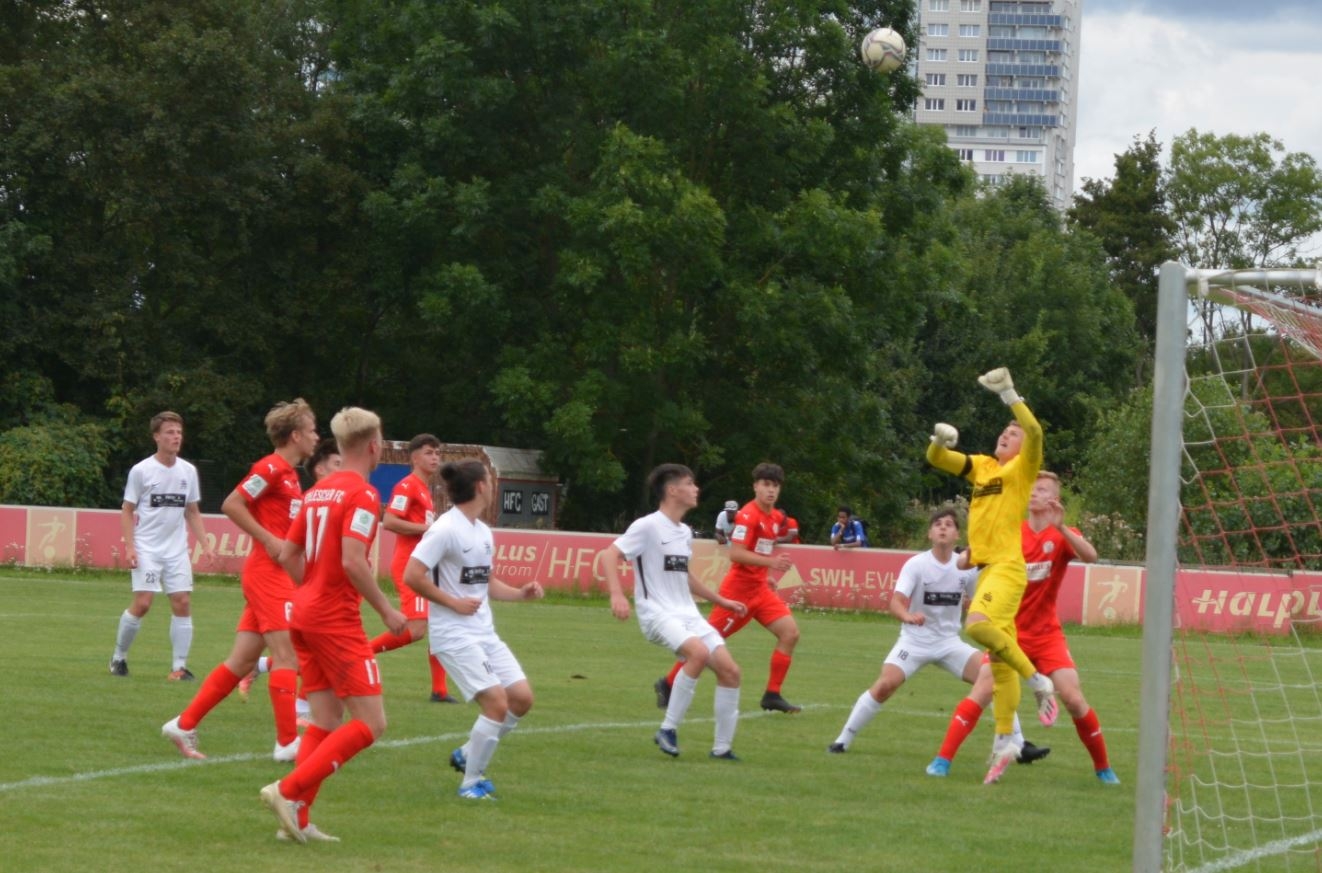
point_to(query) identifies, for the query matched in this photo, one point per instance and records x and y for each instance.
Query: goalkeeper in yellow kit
(1001, 486)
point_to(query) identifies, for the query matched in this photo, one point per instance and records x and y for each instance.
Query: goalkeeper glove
(998, 381)
(945, 436)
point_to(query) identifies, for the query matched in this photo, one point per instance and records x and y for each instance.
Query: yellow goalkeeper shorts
(1000, 588)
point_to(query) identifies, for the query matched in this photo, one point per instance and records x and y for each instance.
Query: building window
(964, 154)
(935, 79)
(966, 130)
(993, 155)
(936, 54)
(1025, 157)
(992, 179)
(934, 104)
(970, 30)
(968, 56)
(938, 5)
(966, 105)
(970, 5)
(938, 30)
(967, 80)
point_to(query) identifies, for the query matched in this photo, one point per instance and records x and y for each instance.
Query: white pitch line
(181, 764)
(1258, 853)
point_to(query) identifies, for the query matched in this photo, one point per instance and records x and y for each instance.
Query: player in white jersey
(160, 507)
(928, 599)
(451, 567)
(660, 546)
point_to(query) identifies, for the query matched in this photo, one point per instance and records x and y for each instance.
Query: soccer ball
(883, 50)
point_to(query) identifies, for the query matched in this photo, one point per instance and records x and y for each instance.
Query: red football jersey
(757, 531)
(342, 506)
(273, 495)
(410, 501)
(1047, 553)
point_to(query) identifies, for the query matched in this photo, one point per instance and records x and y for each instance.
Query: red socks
(331, 754)
(962, 724)
(780, 665)
(215, 688)
(282, 689)
(1090, 731)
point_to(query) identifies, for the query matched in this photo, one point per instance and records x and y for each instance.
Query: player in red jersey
(262, 505)
(409, 512)
(1048, 546)
(326, 552)
(757, 528)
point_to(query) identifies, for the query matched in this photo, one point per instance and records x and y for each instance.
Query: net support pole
(1168, 386)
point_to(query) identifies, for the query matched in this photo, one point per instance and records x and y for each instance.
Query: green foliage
(55, 463)
(1242, 201)
(1129, 216)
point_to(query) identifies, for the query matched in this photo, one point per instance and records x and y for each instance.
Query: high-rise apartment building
(1001, 77)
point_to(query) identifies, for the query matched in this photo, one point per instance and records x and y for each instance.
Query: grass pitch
(89, 784)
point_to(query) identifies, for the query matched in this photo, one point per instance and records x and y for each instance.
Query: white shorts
(953, 654)
(673, 630)
(154, 573)
(480, 664)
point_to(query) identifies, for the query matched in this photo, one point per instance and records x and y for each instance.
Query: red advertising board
(819, 577)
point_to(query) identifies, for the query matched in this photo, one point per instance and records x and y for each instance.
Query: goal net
(1242, 724)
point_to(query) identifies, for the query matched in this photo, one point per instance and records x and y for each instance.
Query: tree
(1129, 215)
(1035, 297)
(1241, 201)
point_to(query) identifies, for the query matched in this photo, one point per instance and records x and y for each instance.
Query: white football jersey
(660, 550)
(161, 494)
(935, 590)
(458, 552)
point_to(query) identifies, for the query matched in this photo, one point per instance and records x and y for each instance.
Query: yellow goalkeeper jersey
(1000, 491)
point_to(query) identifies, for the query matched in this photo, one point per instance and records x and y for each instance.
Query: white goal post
(1180, 290)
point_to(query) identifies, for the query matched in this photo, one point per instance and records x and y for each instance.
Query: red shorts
(411, 603)
(1049, 653)
(269, 595)
(765, 606)
(341, 662)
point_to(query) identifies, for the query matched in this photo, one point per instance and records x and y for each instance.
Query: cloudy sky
(1222, 66)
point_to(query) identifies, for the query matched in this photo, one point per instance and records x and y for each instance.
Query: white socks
(181, 639)
(128, 629)
(727, 717)
(865, 709)
(481, 746)
(681, 696)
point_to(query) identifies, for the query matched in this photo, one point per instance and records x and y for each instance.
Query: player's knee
(520, 702)
(788, 636)
(728, 673)
(1074, 702)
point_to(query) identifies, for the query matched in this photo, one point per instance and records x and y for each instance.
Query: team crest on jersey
(399, 502)
(254, 486)
(677, 563)
(1048, 547)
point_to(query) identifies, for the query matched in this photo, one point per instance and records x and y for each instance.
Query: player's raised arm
(998, 382)
(941, 451)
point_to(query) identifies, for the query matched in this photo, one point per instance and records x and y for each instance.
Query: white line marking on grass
(182, 764)
(1258, 853)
